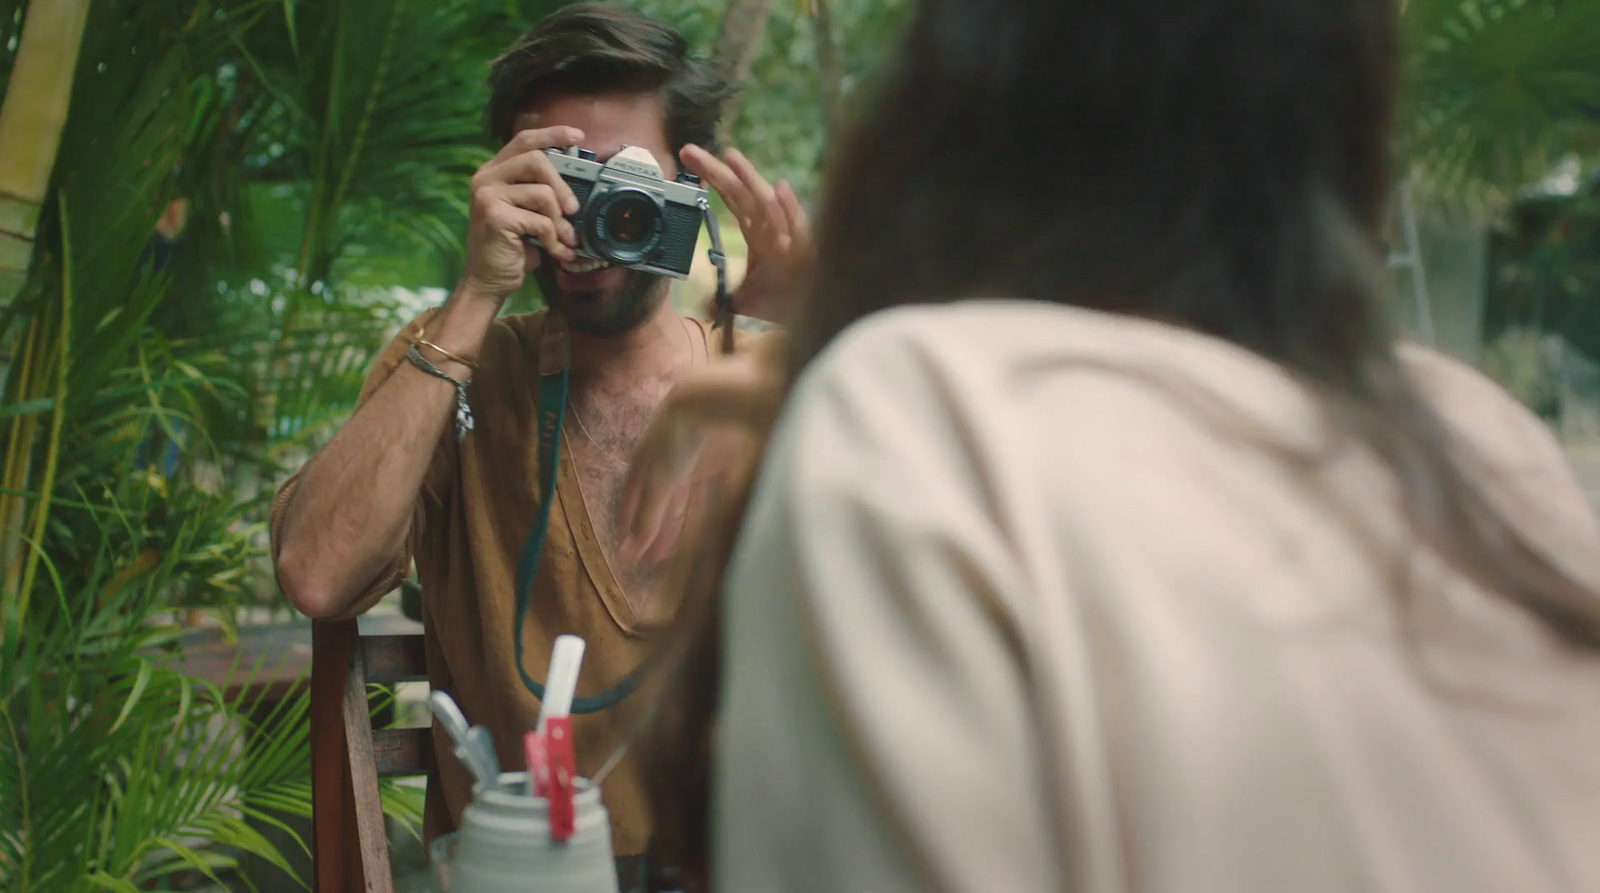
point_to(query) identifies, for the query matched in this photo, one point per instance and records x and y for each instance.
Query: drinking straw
(561, 685)
(468, 747)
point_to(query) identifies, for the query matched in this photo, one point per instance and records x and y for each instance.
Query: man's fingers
(525, 141)
(540, 199)
(721, 178)
(799, 223)
(765, 209)
(509, 218)
(531, 167)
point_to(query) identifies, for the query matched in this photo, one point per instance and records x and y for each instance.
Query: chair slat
(372, 837)
(401, 752)
(391, 659)
(349, 756)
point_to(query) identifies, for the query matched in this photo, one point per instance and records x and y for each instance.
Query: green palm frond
(117, 768)
(314, 144)
(1497, 91)
(383, 120)
(113, 769)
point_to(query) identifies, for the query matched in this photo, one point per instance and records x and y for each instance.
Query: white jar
(504, 844)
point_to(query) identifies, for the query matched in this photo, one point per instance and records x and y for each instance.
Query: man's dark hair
(586, 49)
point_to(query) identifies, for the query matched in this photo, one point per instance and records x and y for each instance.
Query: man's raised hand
(775, 227)
(518, 193)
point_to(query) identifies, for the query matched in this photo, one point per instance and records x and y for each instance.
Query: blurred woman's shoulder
(1478, 408)
(1014, 345)
(1130, 390)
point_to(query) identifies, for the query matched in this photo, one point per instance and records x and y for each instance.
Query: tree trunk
(830, 68)
(738, 41)
(31, 118)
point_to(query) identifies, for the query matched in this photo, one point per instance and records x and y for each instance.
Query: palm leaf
(134, 761)
(1497, 91)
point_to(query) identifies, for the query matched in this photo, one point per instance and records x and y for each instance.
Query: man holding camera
(439, 462)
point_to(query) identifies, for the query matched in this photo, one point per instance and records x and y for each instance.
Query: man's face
(610, 300)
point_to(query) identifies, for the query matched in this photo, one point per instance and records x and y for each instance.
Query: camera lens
(624, 225)
(628, 222)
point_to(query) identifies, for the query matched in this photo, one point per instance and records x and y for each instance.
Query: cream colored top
(1032, 598)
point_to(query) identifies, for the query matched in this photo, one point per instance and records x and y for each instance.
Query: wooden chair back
(350, 844)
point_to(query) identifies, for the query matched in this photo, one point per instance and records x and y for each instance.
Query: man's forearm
(353, 503)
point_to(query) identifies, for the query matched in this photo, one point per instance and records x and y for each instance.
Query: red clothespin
(563, 771)
(552, 764)
(537, 750)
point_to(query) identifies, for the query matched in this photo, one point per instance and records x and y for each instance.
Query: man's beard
(603, 313)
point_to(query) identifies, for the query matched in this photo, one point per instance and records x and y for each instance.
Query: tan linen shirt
(477, 501)
(1030, 598)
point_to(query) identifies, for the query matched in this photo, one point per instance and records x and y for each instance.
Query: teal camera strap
(552, 410)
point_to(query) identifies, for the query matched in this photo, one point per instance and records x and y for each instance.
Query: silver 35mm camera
(629, 214)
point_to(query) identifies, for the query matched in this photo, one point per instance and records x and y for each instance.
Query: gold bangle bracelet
(419, 341)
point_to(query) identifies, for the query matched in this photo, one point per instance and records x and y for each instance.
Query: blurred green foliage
(1546, 269)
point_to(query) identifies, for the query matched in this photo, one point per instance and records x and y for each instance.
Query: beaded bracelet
(463, 411)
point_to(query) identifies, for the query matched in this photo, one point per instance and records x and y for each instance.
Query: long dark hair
(1216, 164)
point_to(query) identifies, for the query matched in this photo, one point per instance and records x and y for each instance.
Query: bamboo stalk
(62, 358)
(17, 462)
(31, 118)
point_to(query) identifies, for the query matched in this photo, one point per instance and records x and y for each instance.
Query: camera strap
(722, 315)
(552, 411)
